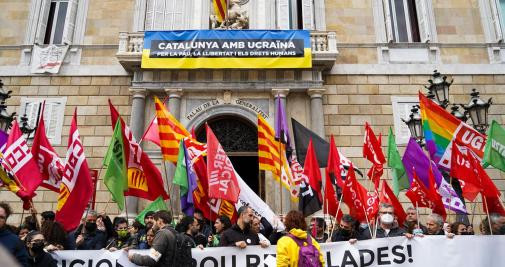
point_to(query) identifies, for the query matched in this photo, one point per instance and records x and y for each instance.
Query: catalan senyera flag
(171, 132)
(76, 187)
(220, 8)
(441, 127)
(272, 157)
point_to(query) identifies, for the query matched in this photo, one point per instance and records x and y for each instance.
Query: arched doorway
(239, 139)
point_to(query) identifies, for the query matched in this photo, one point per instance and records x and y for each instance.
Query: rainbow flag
(441, 127)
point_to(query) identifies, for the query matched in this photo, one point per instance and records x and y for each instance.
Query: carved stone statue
(236, 19)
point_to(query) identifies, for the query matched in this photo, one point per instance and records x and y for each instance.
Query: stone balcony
(324, 49)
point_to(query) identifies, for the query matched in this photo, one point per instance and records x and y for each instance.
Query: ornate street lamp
(25, 127)
(478, 111)
(415, 125)
(440, 88)
(5, 118)
(456, 113)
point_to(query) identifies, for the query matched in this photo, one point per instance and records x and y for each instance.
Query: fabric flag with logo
(353, 197)
(400, 179)
(50, 164)
(414, 158)
(157, 205)
(144, 178)
(222, 181)
(488, 188)
(170, 130)
(308, 202)
(211, 208)
(438, 205)
(312, 171)
(19, 159)
(494, 152)
(372, 151)
(76, 184)
(185, 177)
(152, 134)
(116, 175)
(220, 9)
(418, 193)
(333, 177)
(386, 196)
(461, 168)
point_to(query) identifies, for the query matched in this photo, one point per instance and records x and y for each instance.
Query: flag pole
(336, 215)
(473, 212)
(417, 215)
(168, 186)
(487, 212)
(126, 210)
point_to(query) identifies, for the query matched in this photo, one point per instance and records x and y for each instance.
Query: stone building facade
(370, 59)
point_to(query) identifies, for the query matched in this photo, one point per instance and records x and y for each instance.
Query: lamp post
(5, 118)
(25, 126)
(415, 125)
(478, 111)
(440, 88)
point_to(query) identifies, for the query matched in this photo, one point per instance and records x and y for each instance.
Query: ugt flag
(494, 152)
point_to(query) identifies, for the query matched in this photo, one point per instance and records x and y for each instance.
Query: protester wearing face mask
(36, 255)
(87, 236)
(387, 226)
(459, 228)
(122, 239)
(347, 230)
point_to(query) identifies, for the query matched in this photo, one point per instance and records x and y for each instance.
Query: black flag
(302, 136)
(308, 202)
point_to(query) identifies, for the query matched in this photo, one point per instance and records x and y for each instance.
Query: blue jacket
(14, 245)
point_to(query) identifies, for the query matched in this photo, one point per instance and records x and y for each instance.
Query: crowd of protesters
(170, 243)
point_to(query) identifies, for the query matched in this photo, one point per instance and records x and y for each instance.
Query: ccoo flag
(494, 152)
(116, 176)
(76, 186)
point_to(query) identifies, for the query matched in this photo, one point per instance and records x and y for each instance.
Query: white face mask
(387, 218)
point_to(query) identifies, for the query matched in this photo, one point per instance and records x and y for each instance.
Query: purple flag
(281, 123)
(3, 138)
(414, 158)
(187, 204)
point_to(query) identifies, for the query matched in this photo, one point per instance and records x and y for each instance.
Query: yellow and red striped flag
(220, 8)
(171, 132)
(272, 157)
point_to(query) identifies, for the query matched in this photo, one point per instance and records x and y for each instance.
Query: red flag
(418, 193)
(373, 152)
(222, 181)
(76, 186)
(387, 196)
(353, 196)
(193, 134)
(371, 200)
(332, 177)
(50, 164)
(144, 178)
(494, 205)
(438, 204)
(311, 170)
(19, 159)
(461, 165)
(152, 134)
(488, 188)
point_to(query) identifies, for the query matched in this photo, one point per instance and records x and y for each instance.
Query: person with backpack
(297, 248)
(164, 249)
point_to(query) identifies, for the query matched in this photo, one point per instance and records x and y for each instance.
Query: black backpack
(182, 250)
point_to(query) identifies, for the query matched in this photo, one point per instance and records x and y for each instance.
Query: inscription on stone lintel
(215, 102)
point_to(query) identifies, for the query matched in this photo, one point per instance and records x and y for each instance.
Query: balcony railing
(323, 44)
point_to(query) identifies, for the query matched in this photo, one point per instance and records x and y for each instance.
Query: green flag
(400, 179)
(181, 175)
(494, 152)
(155, 206)
(116, 176)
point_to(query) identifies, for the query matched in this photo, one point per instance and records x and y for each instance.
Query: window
(165, 15)
(56, 22)
(401, 110)
(498, 19)
(53, 115)
(406, 21)
(295, 14)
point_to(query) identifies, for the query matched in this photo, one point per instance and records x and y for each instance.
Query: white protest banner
(261, 209)
(461, 251)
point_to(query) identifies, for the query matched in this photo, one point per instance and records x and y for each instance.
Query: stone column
(286, 201)
(174, 106)
(316, 110)
(137, 121)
